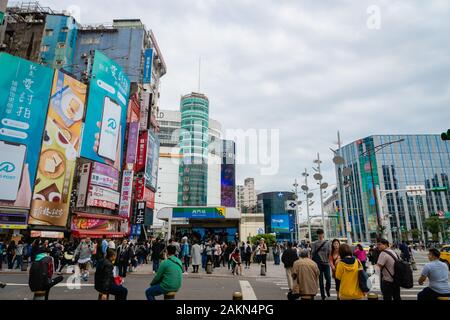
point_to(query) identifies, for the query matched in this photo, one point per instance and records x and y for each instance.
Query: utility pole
(297, 232)
(305, 174)
(325, 228)
(339, 160)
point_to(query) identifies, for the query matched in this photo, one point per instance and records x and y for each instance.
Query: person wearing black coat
(104, 277)
(124, 255)
(288, 258)
(157, 250)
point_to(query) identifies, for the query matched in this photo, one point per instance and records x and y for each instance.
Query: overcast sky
(307, 68)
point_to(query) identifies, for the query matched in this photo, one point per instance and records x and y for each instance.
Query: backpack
(39, 277)
(316, 256)
(403, 274)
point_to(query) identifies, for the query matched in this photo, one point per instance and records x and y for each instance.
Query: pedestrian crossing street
(407, 294)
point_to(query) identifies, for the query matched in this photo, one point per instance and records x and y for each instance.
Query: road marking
(247, 290)
(58, 285)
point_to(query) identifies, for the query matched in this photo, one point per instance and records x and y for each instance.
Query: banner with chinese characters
(104, 176)
(53, 185)
(139, 213)
(102, 197)
(106, 115)
(24, 95)
(126, 193)
(81, 223)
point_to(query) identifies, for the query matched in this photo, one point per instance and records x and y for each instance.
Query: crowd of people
(310, 268)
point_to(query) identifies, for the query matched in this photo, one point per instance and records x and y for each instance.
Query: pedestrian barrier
(443, 298)
(237, 296)
(103, 296)
(169, 296)
(372, 296)
(39, 295)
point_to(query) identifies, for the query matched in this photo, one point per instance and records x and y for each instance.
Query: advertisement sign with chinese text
(139, 213)
(133, 137)
(148, 63)
(126, 194)
(24, 95)
(142, 152)
(106, 114)
(102, 197)
(104, 176)
(199, 213)
(53, 185)
(92, 224)
(152, 161)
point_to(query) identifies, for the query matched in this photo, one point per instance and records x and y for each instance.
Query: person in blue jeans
(169, 276)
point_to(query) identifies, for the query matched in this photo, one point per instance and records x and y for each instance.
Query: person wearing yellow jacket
(347, 273)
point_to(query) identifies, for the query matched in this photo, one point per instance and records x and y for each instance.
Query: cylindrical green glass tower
(194, 138)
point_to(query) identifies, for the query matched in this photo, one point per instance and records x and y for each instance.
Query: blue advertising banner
(106, 115)
(151, 167)
(280, 223)
(199, 213)
(24, 97)
(148, 63)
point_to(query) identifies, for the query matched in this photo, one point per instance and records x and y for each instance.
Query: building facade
(246, 195)
(277, 219)
(417, 160)
(194, 147)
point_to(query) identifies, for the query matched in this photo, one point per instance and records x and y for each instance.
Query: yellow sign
(221, 211)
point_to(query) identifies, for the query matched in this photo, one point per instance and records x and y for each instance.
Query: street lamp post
(306, 188)
(296, 221)
(318, 176)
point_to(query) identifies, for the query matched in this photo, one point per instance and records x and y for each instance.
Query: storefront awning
(97, 234)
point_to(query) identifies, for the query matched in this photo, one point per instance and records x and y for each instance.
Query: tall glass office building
(277, 219)
(419, 160)
(194, 140)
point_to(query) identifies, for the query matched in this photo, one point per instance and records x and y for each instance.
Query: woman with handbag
(347, 272)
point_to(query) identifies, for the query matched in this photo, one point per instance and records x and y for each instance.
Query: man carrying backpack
(320, 252)
(41, 273)
(395, 272)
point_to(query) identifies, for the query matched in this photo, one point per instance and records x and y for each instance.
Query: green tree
(415, 233)
(434, 226)
(268, 238)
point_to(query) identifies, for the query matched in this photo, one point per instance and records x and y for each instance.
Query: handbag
(363, 278)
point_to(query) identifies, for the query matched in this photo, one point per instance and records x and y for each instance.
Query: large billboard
(280, 223)
(24, 95)
(106, 115)
(152, 161)
(53, 185)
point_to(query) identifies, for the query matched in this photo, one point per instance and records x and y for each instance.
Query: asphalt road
(219, 286)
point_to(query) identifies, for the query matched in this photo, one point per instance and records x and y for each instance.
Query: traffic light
(446, 135)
